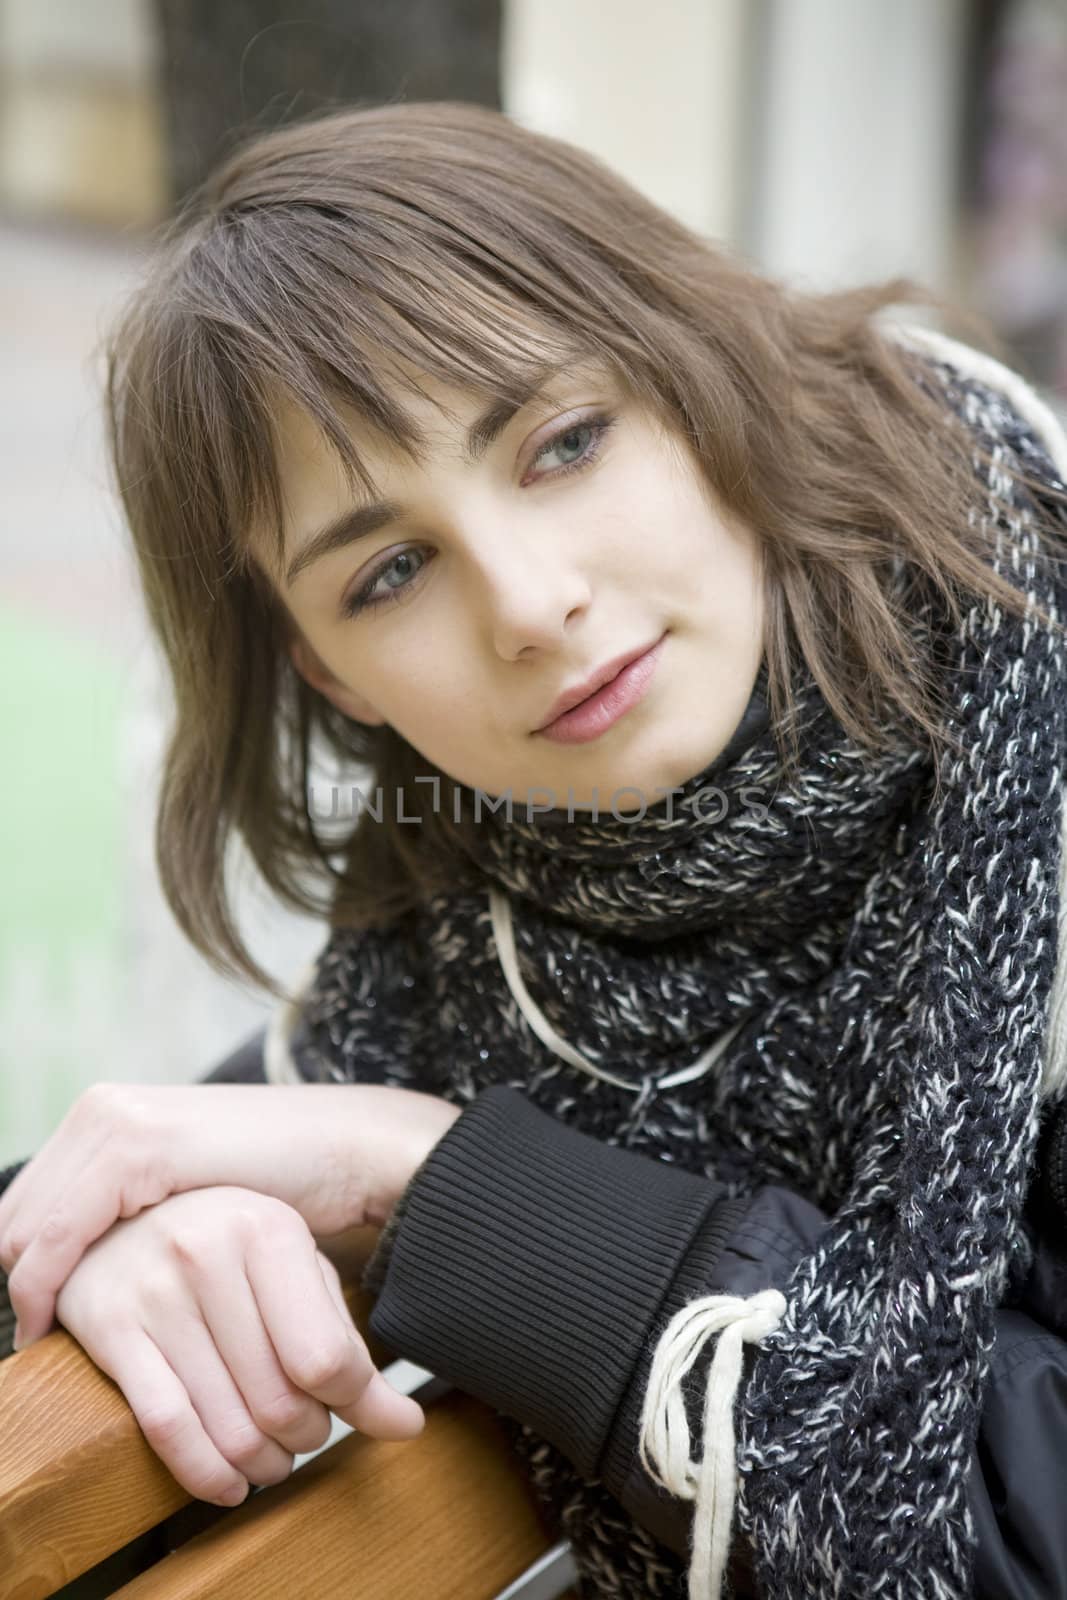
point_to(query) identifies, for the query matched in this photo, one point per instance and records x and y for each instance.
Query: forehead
(441, 422)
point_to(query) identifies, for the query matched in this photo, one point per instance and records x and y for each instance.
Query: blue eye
(365, 599)
(597, 428)
(562, 441)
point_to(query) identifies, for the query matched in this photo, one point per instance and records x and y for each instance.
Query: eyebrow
(359, 522)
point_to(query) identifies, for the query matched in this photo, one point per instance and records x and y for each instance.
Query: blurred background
(829, 141)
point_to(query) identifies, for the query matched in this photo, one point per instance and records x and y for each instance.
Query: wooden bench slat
(77, 1477)
(447, 1516)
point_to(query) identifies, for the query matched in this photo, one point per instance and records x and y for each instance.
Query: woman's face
(508, 574)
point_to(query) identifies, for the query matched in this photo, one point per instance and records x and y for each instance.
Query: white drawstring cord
(664, 1435)
(504, 934)
(281, 1068)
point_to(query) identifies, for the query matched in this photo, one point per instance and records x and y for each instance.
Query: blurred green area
(62, 853)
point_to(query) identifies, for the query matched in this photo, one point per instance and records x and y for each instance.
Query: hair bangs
(324, 331)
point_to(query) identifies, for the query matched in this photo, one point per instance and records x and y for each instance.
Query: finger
(277, 1407)
(56, 1248)
(319, 1346)
(30, 1194)
(166, 1416)
(332, 1279)
(104, 1178)
(384, 1396)
(58, 1167)
(189, 1343)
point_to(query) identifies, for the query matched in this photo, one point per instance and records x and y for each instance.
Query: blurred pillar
(227, 71)
(861, 112)
(663, 94)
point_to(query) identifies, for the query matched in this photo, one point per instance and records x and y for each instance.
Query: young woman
(687, 656)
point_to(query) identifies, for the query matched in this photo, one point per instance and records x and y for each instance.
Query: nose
(531, 592)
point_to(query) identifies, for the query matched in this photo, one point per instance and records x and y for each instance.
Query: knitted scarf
(835, 985)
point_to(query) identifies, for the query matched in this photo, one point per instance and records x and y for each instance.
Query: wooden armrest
(444, 1516)
(450, 1513)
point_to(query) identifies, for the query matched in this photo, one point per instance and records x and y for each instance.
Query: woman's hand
(227, 1331)
(339, 1154)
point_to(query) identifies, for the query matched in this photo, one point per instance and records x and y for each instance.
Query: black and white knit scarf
(862, 983)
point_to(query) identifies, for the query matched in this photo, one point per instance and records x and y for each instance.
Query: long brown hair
(447, 236)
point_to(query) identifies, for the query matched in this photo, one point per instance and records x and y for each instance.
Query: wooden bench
(87, 1509)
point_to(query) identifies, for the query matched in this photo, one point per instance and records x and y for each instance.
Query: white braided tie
(664, 1435)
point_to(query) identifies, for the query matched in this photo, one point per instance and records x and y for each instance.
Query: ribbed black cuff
(530, 1262)
(667, 1517)
(746, 1245)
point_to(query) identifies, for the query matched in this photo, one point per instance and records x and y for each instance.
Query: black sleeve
(536, 1268)
(1017, 1490)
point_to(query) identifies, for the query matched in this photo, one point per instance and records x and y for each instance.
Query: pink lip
(581, 715)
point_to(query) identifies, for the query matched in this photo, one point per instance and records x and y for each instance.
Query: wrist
(422, 1123)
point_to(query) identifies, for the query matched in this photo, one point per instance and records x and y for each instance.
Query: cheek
(669, 502)
(685, 542)
(431, 696)
(638, 524)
